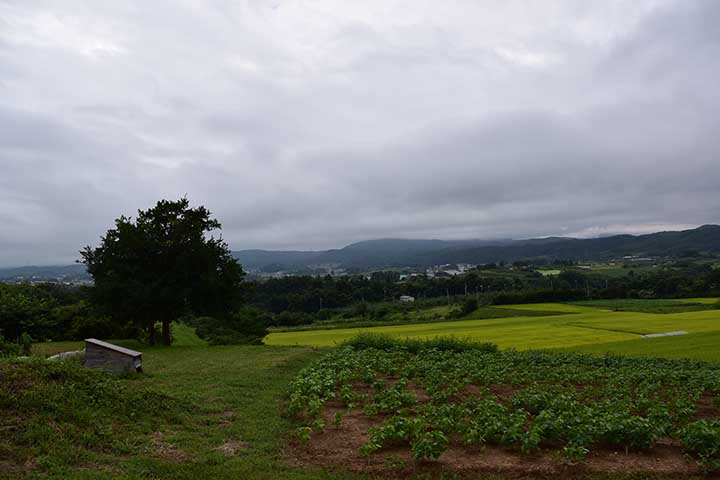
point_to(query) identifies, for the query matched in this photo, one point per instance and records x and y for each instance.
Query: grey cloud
(306, 127)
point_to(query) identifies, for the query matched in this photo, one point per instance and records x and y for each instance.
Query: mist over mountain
(418, 253)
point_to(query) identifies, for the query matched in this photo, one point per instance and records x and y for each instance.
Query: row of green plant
(524, 400)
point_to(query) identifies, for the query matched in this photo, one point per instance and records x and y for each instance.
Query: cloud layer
(312, 124)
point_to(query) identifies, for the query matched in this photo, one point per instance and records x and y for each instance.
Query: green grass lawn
(235, 429)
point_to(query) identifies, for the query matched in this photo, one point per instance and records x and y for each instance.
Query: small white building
(406, 299)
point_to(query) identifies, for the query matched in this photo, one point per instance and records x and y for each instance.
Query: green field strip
(552, 307)
(703, 346)
(702, 300)
(514, 332)
(645, 323)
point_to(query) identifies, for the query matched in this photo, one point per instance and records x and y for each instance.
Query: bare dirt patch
(707, 407)
(232, 447)
(226, 419)
(161, 448)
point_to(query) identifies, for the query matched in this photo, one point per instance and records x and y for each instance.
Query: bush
(291, 319)
(247, 326)
(79, 320)
(25, 343)
(24, 308)
(9, 349)
(469, 306)
(703, 439)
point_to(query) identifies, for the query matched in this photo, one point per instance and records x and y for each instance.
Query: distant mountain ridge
(68, 272)
(400, 252)
(393, 252)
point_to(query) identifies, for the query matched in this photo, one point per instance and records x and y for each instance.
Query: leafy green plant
(524, 400)
(429, 445)
(702, 438)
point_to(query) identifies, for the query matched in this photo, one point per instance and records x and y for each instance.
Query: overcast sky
(313, 124)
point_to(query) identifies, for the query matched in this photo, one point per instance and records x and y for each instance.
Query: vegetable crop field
(596, 329)
(379, 405)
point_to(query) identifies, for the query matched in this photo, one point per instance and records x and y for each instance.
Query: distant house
(406, 299)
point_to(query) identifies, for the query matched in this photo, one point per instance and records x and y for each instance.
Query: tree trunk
(166, 332)
(151, 332)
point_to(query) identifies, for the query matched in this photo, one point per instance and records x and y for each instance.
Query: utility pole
(447, 292)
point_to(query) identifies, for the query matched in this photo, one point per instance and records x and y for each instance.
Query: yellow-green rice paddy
(584, 328)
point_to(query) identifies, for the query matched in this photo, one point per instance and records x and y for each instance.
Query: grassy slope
(183, 336)
(237, 394)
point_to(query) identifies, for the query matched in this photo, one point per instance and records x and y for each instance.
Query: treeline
(302, 300)
(57, 312)
(54, 312)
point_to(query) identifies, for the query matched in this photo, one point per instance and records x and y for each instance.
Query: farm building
(111, 358)
(407, 299)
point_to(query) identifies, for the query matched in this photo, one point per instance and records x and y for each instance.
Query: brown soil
(337, 448)
(232, 447)
(166, 450)
(706, 407)
(226, 419)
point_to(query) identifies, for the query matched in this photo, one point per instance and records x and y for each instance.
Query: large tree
(163, 265)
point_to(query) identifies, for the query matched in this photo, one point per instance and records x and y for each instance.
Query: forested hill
(398, 252)
(372, 254)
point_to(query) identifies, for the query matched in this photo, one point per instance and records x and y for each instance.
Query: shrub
(247, 326)
(469, 306)
(9, 349)
(25, 342)
(703, 439)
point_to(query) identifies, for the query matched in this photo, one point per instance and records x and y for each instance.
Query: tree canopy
(162, 265)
